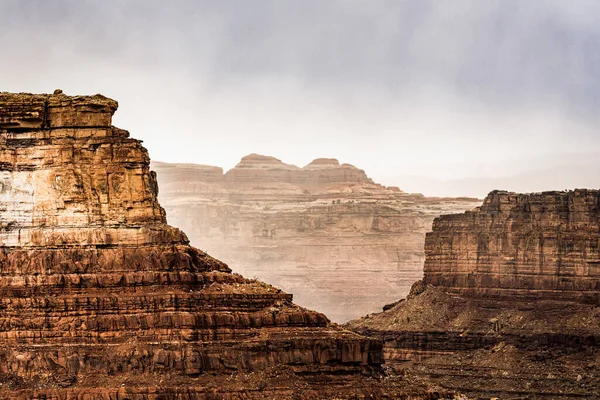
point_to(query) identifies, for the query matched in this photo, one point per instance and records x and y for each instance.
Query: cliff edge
(509, 303)
(102, 299)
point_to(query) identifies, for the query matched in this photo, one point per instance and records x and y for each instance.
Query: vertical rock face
(341, 243)
(509, 306)
(69, 178)
(544, 245)
(100, 298)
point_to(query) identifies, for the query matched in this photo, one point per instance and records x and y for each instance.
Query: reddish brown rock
(101, 299)
(509, 306)
(488, 348)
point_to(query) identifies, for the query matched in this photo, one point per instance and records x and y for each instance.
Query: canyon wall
(102, 299)
(341, 243)
(542, 245)
(509, 305)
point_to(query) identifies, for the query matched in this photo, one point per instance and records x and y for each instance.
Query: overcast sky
(440, 89)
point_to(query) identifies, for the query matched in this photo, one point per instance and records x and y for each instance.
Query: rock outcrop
(101, 299)
(509, 304)
(341, 243)
(534, 246)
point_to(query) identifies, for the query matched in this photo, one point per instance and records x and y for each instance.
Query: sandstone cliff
(341, 243)
(102, 299)
(544, 245)
(509, 304)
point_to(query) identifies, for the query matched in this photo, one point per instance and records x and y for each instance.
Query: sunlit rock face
(343, 244)
(542, 245)
(102, 299)
(69, 178)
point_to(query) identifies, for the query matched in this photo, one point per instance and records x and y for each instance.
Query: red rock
(102, 299)
(543, 245)
(509, 307)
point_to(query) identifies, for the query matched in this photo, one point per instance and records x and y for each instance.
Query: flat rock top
(258, 161)
(23, 112)
(30, 100)
(498, 197)
(321, 163)
(560, 203)
(186, 166)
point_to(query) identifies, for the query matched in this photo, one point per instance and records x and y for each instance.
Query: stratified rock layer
(101, 299)
(491, 348)
(341, 243)
(543, 245)
(509, 306)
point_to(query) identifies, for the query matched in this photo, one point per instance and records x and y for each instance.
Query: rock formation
(101, 299)
(509, 305)
(544, 245)
(341, 243)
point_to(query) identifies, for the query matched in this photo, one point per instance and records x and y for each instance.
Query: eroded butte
(101, 299)
(509, 305)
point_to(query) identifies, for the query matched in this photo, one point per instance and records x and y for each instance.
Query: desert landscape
(318, 200)
(102, 299)
(508, 306)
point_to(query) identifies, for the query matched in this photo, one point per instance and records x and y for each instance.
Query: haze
(439, 97)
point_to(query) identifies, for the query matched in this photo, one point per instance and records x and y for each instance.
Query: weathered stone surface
(489, 348)
(101, 299)
(509, 306)
(24, 111)
(544, 245)
(322, 175)
(341, 243)
(71, 185)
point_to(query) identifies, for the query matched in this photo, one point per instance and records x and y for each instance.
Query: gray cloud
(421, 87)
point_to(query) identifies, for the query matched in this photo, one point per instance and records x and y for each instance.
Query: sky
(428, 95)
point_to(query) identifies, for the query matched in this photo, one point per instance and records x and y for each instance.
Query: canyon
(343, 244)
(509, 305)
(102, 299)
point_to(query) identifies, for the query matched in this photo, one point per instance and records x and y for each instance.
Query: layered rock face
(69, 178)
(509, 304)
(489, 348)
(102, 299)
(544, 245)
(341, 243)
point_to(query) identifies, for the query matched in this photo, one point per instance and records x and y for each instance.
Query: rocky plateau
(509, 305)
(343, 244)
(101, 299)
